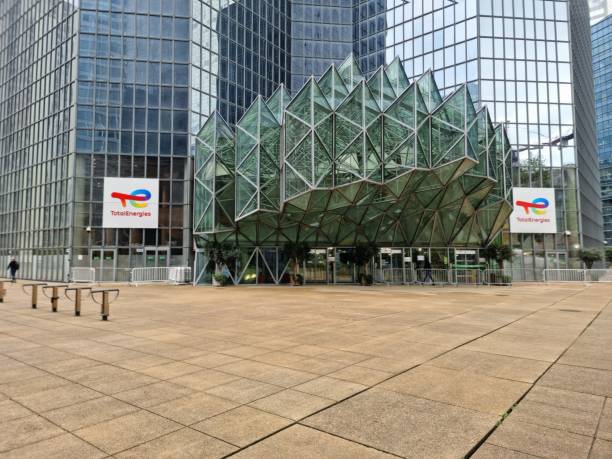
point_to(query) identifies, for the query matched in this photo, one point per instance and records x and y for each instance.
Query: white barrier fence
(83, 275)
(172, 274)
(436, 276)
(578, 275)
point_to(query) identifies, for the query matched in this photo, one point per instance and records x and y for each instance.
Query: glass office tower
(602, 73)
(116, 88)
(38, 49)
(517, 59)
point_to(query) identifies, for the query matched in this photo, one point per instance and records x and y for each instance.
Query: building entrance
(156, 257)
(104, 261)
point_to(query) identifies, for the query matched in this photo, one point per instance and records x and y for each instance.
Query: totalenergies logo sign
(537, 206)
(534, 211)
(137, 198)
(130, 203)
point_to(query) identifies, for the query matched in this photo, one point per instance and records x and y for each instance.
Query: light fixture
(568, 233)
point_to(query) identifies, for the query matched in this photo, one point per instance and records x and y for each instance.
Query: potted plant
(362, 257)
(297, 253)
(498, 253)
(589, 257)
(219, 255)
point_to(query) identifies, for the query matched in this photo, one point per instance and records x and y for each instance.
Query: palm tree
(589, 257)
(498, 253)
(297, 253)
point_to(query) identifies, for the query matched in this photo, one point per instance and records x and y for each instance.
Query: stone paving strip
(311, 372)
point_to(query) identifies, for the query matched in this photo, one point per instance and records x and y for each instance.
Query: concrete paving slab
(193, 408)
(153, 394)
(489, 451)
(204, 379)
(300, 442)
(330, 388)
(60, 447)
(88, 413)
(10, 410)
(404, 425)
(571, 400)
(244, 390)
(576, 421)
(242, 426)
(579, 379)
(605, 423)
(499, 366)
(540, 441)
(601, 449)
(291, 404)
(56, 397)
(24, 431)
(182, 444)
(126, 431)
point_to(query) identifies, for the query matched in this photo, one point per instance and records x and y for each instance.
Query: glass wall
(37, 54)
(516, 59)
(321, 34)
(133, 121)
(602, 73)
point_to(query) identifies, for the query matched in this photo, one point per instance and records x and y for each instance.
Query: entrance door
(105, 263)
(466, 259)
(341, 270)
(556, 260)
(156, 257)
(316, 266)
(392, 266)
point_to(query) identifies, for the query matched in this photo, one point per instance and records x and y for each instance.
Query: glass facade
(516, 58)
(132, 120)
(602, 73)
(321, 34)
(121, 88)
(349, 161)
(38, 43)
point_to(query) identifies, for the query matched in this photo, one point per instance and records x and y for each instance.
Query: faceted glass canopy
(349, 160)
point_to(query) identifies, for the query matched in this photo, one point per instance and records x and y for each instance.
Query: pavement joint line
(522, 397)
(471, 452)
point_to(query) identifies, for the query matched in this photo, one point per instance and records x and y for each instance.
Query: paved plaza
(311, 372)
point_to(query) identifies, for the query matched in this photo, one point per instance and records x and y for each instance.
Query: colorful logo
(537, 205)
(137, 198)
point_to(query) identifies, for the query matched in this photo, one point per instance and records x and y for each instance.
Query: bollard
(77, 298)
(54, 295)
(105, 304)
(34, 292)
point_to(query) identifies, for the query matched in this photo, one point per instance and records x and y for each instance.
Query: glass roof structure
(349, 160)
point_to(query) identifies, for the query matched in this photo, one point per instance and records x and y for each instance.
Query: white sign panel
(130, 203)
(534, 211)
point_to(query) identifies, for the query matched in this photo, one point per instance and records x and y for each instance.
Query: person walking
(428, 272)
(13, 267)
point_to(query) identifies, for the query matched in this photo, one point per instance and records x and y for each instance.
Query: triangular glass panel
(397, 76)
(278, 101)
(429, 90)
(350, 72)
(333, 87)
(381, 89)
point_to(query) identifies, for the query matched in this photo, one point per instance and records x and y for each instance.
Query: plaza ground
(311, 372)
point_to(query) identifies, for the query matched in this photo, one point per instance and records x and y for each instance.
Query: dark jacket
(13, 266)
